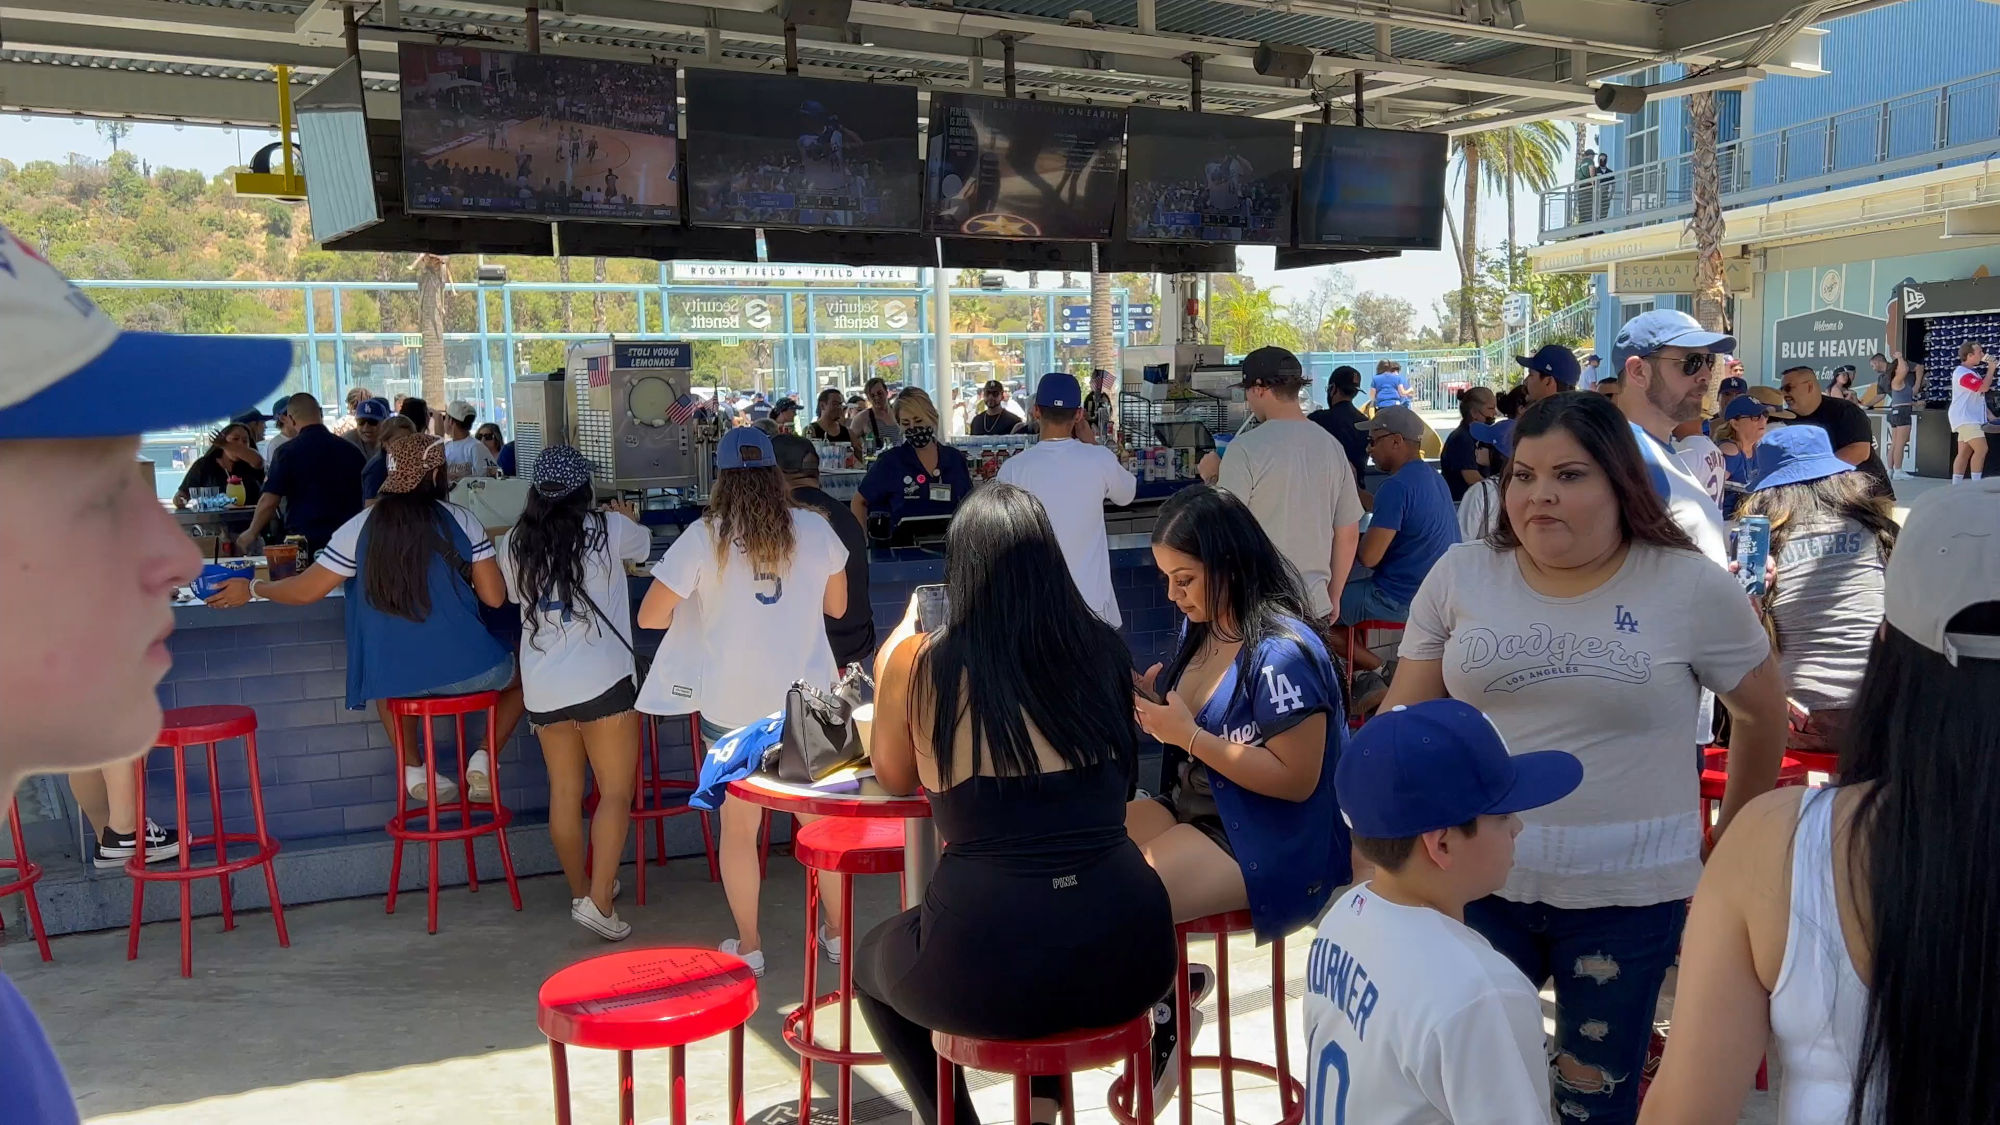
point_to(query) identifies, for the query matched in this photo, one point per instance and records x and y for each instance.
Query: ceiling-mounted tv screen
(501, 132)
(1012, 168)
(1207, 177)
(776, 150)
(333, 139)
(1371, 187)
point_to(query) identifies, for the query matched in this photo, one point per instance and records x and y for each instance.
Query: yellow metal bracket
(288, 184)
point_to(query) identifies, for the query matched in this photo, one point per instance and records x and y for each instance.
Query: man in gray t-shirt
(1295, 477)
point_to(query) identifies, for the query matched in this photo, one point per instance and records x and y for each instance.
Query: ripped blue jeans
(1608, 964)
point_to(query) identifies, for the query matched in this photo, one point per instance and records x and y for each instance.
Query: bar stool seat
(1715, 782)
(472, 818)
(198, 726)
(648, 999)
(1130, 1043)
(27, 873)
(843, 846)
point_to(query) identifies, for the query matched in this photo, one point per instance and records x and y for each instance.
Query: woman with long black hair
(1854, 926)
(1042, 917)
(1588, 621)
(229, 455)
(565, 565)
(1251, 712)
(416, 570)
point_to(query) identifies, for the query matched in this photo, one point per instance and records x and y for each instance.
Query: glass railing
(1933, 128)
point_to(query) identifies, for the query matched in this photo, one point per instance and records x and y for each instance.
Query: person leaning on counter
(920, 477)
(318, 475)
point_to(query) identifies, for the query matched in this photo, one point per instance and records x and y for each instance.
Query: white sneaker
(617, 887)
(478, 785)
(754, 958)
(829, 945)
(610, 926)
(414, 785)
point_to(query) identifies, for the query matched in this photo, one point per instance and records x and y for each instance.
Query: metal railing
(1932, 128)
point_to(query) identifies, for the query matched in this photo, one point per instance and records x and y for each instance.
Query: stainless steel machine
(539, 405)
(636, 418)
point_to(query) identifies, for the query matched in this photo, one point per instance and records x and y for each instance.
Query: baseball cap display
(372, 409)
(1666, 328)
(1438, 764)
(1947, 560)
(1272, 367)
(1748, 406)
(1555, 361)
(460, 410)
(1398, 420)
(1059, 389)
(745, 447)
(65, 358)
(1794, 455)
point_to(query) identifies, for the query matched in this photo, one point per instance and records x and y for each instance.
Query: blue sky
(1419, 278)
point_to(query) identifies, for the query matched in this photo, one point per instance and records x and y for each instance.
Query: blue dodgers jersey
(32, 1088)
(1293, 853)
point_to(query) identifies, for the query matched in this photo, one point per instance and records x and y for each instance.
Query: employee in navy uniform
(920, 477)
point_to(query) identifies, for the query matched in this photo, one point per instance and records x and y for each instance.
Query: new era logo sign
(1913, 299)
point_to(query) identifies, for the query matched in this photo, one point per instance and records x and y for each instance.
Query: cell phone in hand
(933, 608)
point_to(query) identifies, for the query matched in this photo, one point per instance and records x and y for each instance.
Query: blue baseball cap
(1438, 764)
(1059, 389)
(1733, 385)
(1666, 328)
(1744, 406)
(65, 358)
(372, 409)
(1499, 435)
(1555, 361)
(745, 447)
(1794, 455)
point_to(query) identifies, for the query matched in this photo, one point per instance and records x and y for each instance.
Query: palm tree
(1242, 317)
(1500, 160)
(1710, 293)
(1103, 336)
(1340, 325)
(433, 272)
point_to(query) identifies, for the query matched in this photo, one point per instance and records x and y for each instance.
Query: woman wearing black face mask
(920, 477)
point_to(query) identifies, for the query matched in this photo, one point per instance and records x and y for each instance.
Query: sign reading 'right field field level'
(1827, 339)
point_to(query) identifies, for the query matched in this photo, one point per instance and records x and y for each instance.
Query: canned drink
(1753, 549)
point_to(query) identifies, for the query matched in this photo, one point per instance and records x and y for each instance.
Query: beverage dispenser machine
(636, 418)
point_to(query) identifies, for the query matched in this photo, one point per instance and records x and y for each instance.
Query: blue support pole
(507, 324)
(312, 340)
(342, 377)
(485, 359)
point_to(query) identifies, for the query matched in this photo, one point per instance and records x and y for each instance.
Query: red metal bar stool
(497, 816)
(643, 1000)
(1291, 1092)
(197, 726)
(656, 798)
(844, 846)
(1062, 1055)
(1715, 780)
(1359, 632)
(27, 872)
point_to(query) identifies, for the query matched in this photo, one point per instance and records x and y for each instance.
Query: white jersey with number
(1412, 1018)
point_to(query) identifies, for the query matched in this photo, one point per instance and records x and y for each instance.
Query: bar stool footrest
(794, 1034)
(151, 874)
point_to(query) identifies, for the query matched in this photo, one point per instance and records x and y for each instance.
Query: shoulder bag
(819, 735)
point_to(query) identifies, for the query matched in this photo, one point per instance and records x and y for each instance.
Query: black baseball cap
(1272, 367)
(1345, 379)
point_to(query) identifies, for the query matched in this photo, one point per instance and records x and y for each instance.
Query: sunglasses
(1692, 365)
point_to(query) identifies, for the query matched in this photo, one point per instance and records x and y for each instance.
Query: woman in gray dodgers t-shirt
(1589, 623)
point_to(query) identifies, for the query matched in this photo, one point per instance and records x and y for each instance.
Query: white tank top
(1818, 1009)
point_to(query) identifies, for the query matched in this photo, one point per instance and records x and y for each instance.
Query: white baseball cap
(460, 410)
(1947, 560)
(62, 360)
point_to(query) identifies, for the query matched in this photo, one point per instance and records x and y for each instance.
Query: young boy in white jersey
(1411, 1017)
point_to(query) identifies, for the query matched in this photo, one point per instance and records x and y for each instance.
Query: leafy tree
(1243, 318)
(1382, 322)
(114, 131)
(1526, 155)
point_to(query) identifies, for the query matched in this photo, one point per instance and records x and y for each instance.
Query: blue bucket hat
(1794, 455)
(1438, 764)
(1666, 328)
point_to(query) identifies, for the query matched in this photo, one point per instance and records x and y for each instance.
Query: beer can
(1753, 549)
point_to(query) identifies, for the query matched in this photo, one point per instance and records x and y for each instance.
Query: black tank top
(1064, 818)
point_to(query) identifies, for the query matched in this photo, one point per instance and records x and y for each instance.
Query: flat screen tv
(333, 143)
(776, 150)
(1380, 188)
(1019, 169)
(1207, 177)
(490, 132)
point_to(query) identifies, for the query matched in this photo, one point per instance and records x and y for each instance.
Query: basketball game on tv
(1379, 188)
(783, 151)
(500, 132)
(1204, 177)
(1011, 168)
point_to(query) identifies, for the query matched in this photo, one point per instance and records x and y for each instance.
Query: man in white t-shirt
(1667, 359)
(465, 455)
(1296, 479)
(1411, 1017)
(1074, 477)
(1968, 414)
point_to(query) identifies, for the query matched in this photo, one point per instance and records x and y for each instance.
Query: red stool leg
(736, 1075)
(1023, 1111)
(1184, 1013)
(1222, 1029)
(221, 842)
(187, 889)
(264, 838)
(639, 837)
(846, 991)
(138, 885)
(1279, 1033)
(401, 818)
(465, 805)
(559, 1066)
(28, 892)
(947, 1100)
(677, 1084)
(1141, 1071)
(431, 803)
(812, 994)
(626, 1114)
(1068, 1102)
(500, 831)
(653, 772)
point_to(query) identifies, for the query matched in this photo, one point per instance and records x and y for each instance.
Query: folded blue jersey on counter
(735, 756)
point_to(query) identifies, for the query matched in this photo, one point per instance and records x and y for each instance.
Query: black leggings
(1000, 951)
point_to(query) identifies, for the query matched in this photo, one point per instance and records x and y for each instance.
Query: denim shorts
(1361, 600)
(497, 678)
(614, 700)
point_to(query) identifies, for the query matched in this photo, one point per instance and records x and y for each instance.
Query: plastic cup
(281, 560)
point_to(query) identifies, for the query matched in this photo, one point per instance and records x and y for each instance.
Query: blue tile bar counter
(329, 779)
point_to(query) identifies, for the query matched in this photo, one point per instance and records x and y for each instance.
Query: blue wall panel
(1879, 55)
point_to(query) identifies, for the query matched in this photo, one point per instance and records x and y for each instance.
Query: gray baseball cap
(1947, 560)
(1398, 420)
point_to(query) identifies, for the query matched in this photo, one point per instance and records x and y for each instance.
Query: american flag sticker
(597, 371)
(683, 410)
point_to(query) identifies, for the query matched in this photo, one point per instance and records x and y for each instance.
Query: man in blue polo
(90, 556)
(1551, 371)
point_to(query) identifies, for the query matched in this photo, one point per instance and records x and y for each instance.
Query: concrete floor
(366, 1018)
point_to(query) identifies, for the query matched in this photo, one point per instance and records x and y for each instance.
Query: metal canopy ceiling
(1419, 63)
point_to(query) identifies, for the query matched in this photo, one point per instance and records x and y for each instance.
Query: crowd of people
(1520, 813)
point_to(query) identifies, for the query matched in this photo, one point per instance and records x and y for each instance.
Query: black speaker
(815, 13)
(1614, 98)
(1282, 60)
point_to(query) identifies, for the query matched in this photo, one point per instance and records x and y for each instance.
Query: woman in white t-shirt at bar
(1589, 621)
(741, 594)
(564, 564)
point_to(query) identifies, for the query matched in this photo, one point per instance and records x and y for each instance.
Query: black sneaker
(1166, 1034)
(113, 849)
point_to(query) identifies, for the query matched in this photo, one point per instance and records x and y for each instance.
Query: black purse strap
(606, 621)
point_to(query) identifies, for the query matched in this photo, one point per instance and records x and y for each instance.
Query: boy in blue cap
(1411, 1017)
